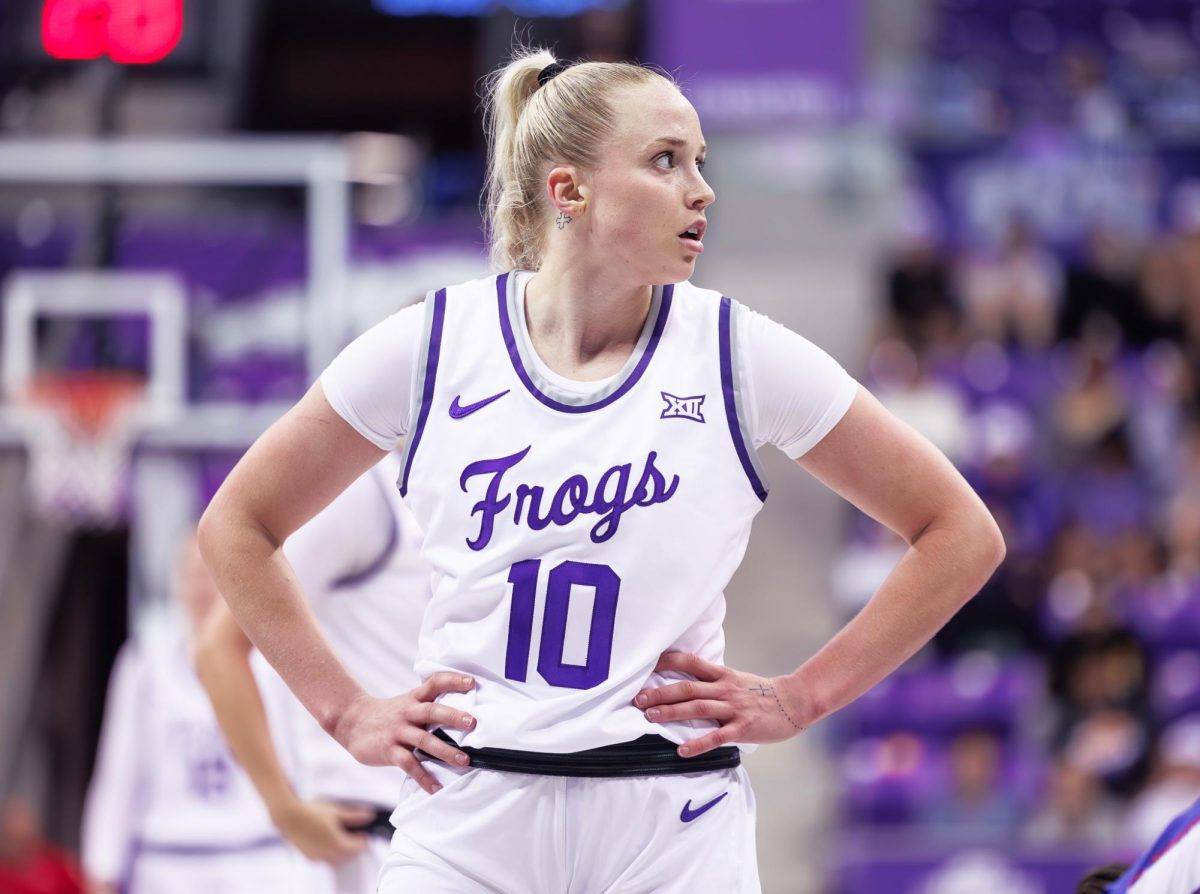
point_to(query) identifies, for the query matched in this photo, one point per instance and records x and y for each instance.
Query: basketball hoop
(80, 428)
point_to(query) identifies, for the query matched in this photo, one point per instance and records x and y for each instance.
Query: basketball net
(81, 429)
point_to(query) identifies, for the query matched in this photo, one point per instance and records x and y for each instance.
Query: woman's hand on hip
(386, 731)
(748, 707)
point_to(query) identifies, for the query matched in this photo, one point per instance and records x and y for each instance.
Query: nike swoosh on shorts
(688, 814)
(458, 412)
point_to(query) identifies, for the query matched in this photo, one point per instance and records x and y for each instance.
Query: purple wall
(747, 62)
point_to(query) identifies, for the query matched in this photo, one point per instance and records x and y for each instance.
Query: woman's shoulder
(688, 291)
(691, 298)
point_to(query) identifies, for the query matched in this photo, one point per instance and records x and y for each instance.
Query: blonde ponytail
(530, 128)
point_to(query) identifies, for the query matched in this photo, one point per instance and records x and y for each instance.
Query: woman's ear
(567, 191)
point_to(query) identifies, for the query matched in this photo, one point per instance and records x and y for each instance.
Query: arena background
(987, 210)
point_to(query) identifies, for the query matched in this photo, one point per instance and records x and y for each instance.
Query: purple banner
(760, 61)
(1060, 185)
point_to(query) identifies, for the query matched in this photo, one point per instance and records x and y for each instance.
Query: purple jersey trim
(431, 363)
(1171, 836)
(372, 568)
(728, 391)
(514, 353)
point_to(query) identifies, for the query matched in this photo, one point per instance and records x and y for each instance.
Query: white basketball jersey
(165, 780)
(574, 538)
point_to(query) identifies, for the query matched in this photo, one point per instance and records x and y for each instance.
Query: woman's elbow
(208, 534)
(988, 542)
(207, 658)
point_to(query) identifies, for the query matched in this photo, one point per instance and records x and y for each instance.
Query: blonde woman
(579, 440)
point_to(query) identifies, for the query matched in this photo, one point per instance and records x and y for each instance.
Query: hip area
(529, 833)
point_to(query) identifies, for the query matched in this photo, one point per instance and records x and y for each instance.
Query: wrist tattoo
(764, 691)
(564, 219)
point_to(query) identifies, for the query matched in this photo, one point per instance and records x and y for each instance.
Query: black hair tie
(550, 71)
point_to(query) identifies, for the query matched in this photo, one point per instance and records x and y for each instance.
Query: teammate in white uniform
(579, 441)
(359, 564)
(168, 811)
(1169, 866)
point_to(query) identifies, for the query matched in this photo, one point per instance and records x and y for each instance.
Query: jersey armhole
(733, 391)
(427, 363)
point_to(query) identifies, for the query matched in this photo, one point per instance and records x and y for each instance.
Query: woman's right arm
(293, 471)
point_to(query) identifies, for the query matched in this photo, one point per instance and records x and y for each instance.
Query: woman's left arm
(897, 477)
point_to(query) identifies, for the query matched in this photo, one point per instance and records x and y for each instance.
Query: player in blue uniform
(579, 437)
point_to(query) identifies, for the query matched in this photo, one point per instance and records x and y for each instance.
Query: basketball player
(1170, 866)
(168, 811)
(579, 448)
(358, 564)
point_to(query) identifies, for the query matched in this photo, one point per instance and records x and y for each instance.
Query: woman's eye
(668, 157)
(700, 163)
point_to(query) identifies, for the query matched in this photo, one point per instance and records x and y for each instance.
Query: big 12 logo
(128, 31)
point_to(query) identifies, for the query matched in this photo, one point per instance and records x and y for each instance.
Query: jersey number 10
(524, 578)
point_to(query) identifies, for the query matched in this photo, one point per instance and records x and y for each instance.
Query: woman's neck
(584, 320)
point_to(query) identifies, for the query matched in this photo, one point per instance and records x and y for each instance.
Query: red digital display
(128, 31)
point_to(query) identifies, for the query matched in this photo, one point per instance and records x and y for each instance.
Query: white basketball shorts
(490, 832)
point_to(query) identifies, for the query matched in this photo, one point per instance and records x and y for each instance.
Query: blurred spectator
(903, 384)
(29, 865)
(1092, 404)
(1106, 493)
(1182, 516)
(1077, 811)
(1113, 744)
(1161, 308)
(1100, 680)
(1103, 284)
(1096, 110)
(1185, 246)
(977, 806)
(1013, 295)
(919, 297)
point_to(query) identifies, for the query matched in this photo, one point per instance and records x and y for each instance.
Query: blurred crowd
(1062, 705)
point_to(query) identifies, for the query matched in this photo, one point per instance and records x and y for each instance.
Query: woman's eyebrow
(674, 141)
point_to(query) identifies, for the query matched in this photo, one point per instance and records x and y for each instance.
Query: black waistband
(379, 825)
(648, 756)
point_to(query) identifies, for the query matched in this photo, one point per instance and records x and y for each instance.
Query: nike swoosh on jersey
(458, 412)
(687, 814)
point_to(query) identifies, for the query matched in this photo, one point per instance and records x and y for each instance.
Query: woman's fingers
(404, 759)
(431, 713)
(700, 709)
(692, 665)
(715, 739)
(437, 748)
(442, 682)
(351, 815)
(674, 693)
